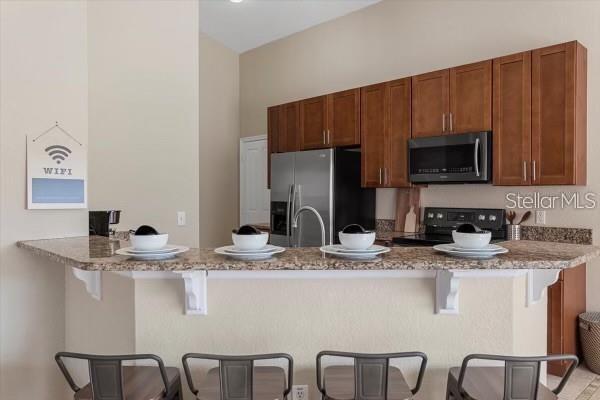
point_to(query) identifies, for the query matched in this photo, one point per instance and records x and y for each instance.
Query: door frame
(243, 141)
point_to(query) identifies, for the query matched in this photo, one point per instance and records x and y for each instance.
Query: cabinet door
(373, 126)
(273, 127)
(471, 98)
(289, 134)
(558, 114)
(398, 133)
(343, 118)
(430, 103)
(313, 123)
(512, 119)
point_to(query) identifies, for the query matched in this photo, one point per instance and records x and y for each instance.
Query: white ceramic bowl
(357, 241)
(472, 240)
(250, 242)
(149, 242)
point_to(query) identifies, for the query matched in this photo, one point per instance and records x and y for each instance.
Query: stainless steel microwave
(454, 158)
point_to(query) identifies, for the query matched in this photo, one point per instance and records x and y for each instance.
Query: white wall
(43, 70)
(394, 39)
(143, 110)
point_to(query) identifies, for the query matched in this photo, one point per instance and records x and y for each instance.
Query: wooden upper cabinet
(398, 132)
(385, 130)
(313, 123)
(289, 134)
(373, 126)
(430, 103)
(558, 130)
(470, 98)
(343, 118)
(512, 119)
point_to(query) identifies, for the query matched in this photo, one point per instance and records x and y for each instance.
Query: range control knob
(430, 215)
(440, 215)
(481, 217)
(492, 217)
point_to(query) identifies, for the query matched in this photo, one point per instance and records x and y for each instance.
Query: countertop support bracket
(196, 299)
(446, 292)
(92, 281)
(537, 281)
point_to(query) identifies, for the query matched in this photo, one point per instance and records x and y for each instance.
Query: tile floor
(583, 385)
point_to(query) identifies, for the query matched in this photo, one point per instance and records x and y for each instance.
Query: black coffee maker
(100, 222)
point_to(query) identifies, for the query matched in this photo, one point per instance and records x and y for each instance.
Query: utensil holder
(513, 232)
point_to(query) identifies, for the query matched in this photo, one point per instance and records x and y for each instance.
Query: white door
(254, 195)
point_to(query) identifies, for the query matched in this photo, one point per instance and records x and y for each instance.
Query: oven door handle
(476, 156)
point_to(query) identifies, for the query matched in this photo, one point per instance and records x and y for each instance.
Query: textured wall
(43, 70)
(304, 316)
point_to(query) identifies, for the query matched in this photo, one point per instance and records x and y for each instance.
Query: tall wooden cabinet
(385, 128)
(566, 300)
(512, 119)
(558, 106)
(540, 115)
(455, 100)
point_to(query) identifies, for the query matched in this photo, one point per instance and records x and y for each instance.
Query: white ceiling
(252, 23)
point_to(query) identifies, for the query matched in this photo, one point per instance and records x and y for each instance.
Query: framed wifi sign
(56, 170)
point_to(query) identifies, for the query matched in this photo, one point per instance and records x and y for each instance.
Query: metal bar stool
(370, 378)
(519, 379)
(110, 380)
(237, 378)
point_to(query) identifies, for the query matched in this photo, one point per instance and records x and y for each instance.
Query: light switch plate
(180, 218)
(540, 217)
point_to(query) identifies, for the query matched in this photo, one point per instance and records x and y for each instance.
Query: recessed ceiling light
(236, 1)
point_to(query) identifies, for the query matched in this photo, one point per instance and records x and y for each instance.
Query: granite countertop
(97, 254)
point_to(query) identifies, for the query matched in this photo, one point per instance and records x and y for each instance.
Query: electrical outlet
(300, 392)
(540, 217)
(180, 218)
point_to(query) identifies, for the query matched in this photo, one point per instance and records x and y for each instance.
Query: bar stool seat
(140, 383)
(487, 383)
(339, 383)
(269, 384)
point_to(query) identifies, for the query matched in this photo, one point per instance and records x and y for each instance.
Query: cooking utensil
(524, 218)
(510, 216)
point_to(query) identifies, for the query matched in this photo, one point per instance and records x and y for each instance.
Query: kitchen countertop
(97, 254)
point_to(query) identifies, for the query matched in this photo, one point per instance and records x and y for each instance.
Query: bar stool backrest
(521, 374)
(106, 379)
(371, 372)
(236, 379)
(521, 380)
(236, 373)
(371, 378)
(106, 372)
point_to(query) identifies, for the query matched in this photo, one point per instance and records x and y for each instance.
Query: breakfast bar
(540, 261)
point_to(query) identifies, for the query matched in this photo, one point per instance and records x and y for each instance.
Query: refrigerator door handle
(288, 216)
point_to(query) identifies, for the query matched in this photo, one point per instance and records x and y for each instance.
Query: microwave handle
(476, 156)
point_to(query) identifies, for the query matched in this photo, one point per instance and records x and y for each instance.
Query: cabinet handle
(328, 138)
(533, 174)
(385, 176)
(380, 175)
(443, 122)
(524, 171)
(451, 122)
(324, 136)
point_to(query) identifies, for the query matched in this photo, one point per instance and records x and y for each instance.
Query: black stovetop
(440, 222)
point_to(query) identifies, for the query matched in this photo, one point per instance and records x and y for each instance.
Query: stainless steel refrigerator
(329, 181)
